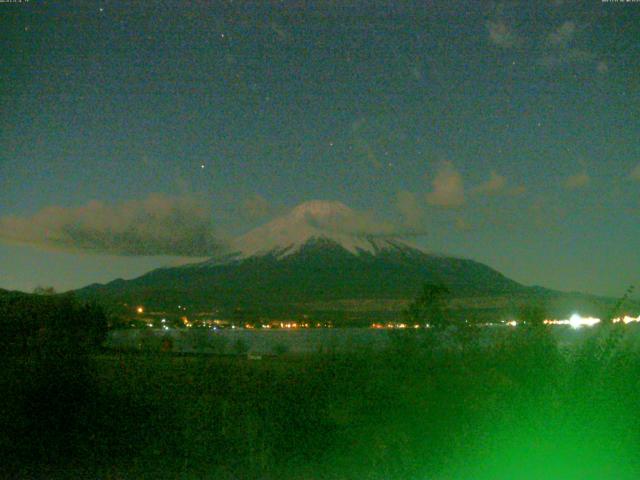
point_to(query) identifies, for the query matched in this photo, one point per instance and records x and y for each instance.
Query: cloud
(498, 185)
(635, 173)
(336, 217)
(577, 181)
(408, 205)
(501, 34)
(320, 219)
(157, 225)
(448, 188)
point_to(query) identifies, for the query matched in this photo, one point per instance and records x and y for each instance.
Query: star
(202, 166)
(101, 9)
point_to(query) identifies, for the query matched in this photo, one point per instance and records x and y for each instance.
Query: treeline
(41, 322)
(47, 378)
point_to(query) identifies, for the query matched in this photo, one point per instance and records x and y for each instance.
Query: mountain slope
(323, 256)
(319, 269)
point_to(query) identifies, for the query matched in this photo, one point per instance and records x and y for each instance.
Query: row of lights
(394, 325)
(626, 319)
(575, 321)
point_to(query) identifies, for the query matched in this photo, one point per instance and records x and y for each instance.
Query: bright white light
(626, 319)
(576, 321)
(512, 323)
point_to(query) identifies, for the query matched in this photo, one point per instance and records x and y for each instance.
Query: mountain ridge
(323, 256)
(320, 270)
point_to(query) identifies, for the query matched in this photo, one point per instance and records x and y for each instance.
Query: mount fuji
(323, 258)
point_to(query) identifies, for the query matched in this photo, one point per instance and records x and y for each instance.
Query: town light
(576, 321)
(626, 319)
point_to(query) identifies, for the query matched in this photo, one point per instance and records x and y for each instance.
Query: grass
(518, 409)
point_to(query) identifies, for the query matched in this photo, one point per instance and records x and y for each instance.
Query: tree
(615, 311)
(429, 307)
(40, 290)
(42, 324)
(45, 347)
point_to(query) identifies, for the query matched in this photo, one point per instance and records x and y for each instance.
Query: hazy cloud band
(157, 225)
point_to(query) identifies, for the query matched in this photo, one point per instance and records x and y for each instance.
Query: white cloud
(448, 188)
(157, 225)
(577, 181)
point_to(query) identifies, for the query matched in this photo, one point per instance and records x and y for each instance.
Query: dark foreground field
(520, 409)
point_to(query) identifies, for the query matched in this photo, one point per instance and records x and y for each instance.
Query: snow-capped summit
(316, 219)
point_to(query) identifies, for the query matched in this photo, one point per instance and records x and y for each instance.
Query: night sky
(141, 134)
